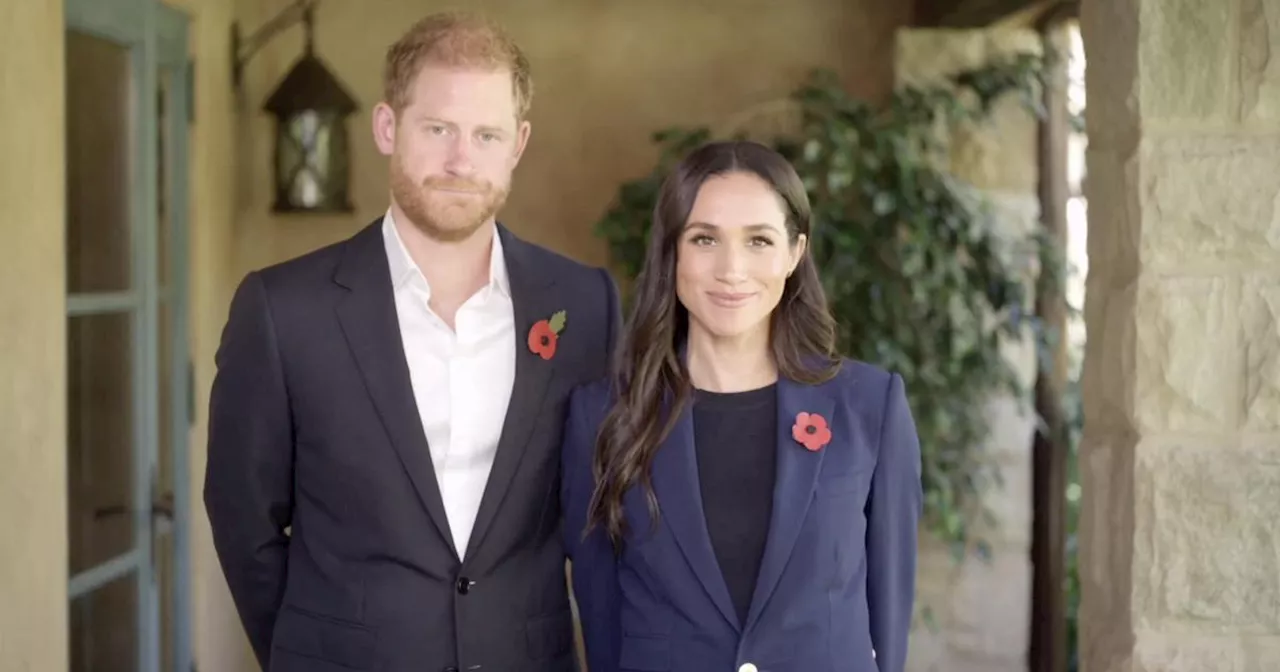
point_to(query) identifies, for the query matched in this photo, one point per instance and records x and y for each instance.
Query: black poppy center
(811, 429)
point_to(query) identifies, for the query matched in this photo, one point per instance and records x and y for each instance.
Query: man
(387, 414)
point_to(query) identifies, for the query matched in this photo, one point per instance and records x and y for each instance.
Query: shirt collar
(404, 269)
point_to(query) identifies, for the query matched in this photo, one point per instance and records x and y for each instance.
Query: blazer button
(748, 667)
(464, 585)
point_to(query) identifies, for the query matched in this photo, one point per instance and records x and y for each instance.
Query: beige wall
(33, 475)
(33, 567)
(219, 641)
(606, 75)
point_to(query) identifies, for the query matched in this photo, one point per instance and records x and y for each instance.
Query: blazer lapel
(675, 482)
(793, 491)
(369, 321)
(531, 301)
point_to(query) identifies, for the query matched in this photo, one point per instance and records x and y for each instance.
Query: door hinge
(191, 393)
(191, 91)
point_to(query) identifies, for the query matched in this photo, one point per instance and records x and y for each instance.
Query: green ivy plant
(920, 279)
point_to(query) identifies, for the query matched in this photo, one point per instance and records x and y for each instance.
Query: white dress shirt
(462, 377)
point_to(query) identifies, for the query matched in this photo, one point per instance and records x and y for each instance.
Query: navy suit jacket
(837, 580)
(327, 518)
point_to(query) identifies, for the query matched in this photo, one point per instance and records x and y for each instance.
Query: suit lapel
(369, 322)
(676, 484)
(793, 490)
(531, 302)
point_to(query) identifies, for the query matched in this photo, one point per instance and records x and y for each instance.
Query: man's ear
(384, 128)
(522, 139)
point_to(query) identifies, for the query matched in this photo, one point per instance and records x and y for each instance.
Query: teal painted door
(128, 412)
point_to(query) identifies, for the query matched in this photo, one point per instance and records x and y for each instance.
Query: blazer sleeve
(249, 479)
(893, 514)
(593, 565)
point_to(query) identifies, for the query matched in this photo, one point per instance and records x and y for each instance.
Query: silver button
(748, 667)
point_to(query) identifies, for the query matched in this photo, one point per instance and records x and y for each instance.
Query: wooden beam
(978, 13)
(1048, 646)
(929, 13)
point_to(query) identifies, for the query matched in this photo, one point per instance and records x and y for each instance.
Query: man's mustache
(456, 184)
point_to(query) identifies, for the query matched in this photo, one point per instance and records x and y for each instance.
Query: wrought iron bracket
(243, 48)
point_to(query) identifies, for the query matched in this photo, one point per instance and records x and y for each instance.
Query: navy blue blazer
(326, 514)
(837, 580)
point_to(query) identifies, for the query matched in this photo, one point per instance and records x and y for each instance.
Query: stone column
(1180, 529)
(981, 609)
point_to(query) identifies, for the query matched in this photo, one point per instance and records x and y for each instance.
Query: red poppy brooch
(811, 431)
(544, 335)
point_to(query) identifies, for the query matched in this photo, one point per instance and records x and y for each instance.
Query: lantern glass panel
(311, 162)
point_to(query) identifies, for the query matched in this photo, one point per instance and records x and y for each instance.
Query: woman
(737, 497)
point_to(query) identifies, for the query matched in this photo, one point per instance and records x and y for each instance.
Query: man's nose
(460, 161)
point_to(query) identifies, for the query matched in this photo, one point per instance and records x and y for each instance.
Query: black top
(735, 438)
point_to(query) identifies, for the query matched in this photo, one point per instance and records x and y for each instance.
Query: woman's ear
(797, 252)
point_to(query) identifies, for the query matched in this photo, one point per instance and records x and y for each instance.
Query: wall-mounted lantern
(312, 164)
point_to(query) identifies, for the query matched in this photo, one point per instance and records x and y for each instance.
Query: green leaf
(917, 278)
(557, 322)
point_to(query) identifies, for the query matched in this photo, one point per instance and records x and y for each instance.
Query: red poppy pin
(811, 431)
(544, 335)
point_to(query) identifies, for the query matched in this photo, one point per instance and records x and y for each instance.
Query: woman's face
(733, 257)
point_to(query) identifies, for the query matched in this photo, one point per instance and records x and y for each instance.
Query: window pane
(100, 436)
(99, 139)
(104, 628)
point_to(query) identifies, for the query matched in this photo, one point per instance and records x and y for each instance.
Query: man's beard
(442, 216)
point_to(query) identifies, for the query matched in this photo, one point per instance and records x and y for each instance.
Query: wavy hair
(650, 382)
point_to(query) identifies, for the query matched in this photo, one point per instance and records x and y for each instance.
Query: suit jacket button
(748, 667)
(464, 585)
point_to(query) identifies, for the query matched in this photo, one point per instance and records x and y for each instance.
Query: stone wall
(1180, 529)
(981, 609)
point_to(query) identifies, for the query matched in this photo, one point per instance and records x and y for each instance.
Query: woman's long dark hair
(650, 382)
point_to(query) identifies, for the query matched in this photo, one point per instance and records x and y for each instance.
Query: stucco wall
(33, 473)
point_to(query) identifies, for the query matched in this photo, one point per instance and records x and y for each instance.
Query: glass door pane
(128, 416)
(108, 412)
(104, 633)
(101, 361)
(99, 140)
(100, 439)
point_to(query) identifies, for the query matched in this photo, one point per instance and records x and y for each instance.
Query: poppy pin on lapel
(811, 431)
(545, 334)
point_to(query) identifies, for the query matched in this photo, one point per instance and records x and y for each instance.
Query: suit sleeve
(593, 565)
(613, 308)
(893, 514)
(249, 479)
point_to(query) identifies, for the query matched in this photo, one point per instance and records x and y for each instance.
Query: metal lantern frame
(312, 159)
